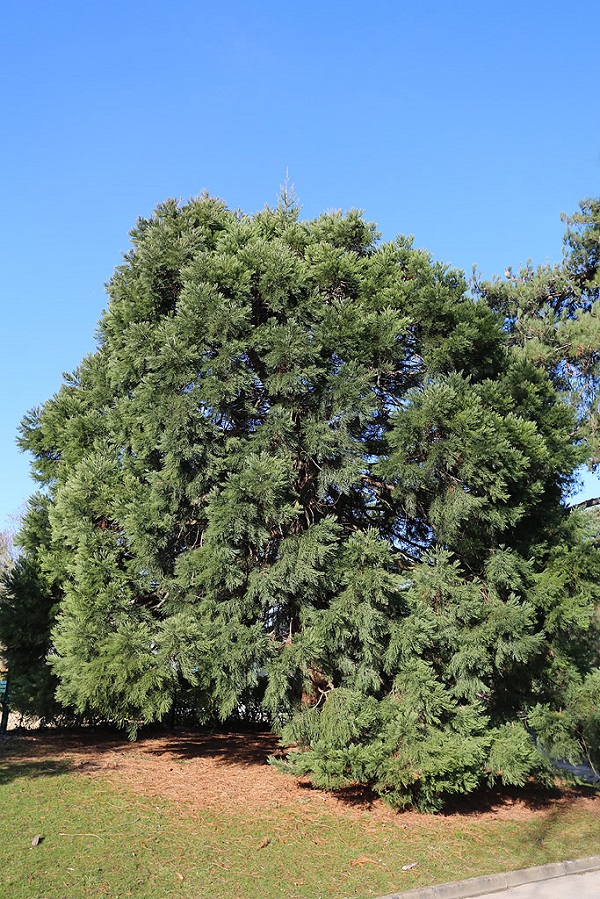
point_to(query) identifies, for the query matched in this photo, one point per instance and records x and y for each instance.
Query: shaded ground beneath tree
(200, 771)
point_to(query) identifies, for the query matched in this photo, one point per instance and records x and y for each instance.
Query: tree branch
(587, 503)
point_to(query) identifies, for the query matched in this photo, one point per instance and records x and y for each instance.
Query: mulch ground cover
(205, 770)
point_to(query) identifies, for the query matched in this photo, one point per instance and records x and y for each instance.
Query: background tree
(6, 550)
(28, 597)
(307, 476)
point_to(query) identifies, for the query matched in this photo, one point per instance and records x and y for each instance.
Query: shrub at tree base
(307, 478)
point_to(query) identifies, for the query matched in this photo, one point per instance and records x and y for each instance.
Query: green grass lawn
(99, 839)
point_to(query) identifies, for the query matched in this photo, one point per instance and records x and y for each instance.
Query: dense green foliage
(306, 476)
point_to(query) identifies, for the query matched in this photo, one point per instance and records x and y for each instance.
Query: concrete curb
(495, 883)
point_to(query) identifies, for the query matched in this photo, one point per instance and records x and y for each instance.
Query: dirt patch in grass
(230, 771)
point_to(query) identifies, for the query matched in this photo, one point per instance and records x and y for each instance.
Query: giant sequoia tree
(306, 477)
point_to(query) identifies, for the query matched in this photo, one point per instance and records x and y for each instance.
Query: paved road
(574, 886)
(555, 881)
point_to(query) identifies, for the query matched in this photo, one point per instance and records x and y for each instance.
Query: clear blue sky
(470, 125)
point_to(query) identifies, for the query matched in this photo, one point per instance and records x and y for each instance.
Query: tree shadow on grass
(12, 769)
(245, 749)
(555, 827)
(550, 804)
(47, 742)
(531, 797)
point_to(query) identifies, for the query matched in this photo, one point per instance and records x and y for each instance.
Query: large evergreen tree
(306, 476)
